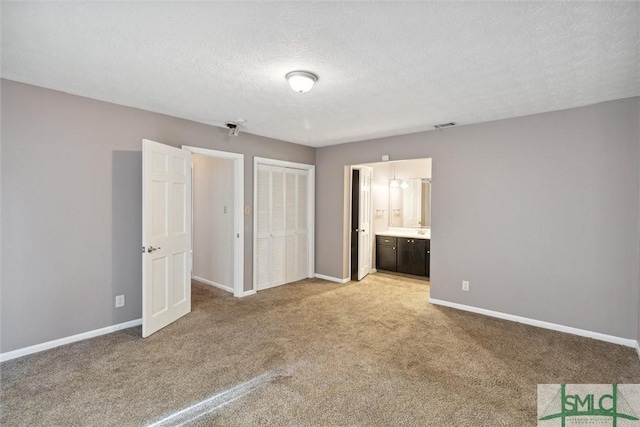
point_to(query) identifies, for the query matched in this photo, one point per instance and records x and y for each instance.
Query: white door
(290, 229)
(271, 226)
(364, 223)
(263, 227)
(282, 224)
(302, 227)
(166, 235)
(277, 248)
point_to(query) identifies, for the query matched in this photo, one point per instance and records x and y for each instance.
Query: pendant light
(394, 183)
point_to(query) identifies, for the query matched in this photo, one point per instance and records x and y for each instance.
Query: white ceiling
(385, 68)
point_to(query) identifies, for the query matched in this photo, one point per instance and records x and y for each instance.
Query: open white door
(166, 235)
(364, 223)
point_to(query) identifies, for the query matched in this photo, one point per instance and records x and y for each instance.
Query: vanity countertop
(413, 233)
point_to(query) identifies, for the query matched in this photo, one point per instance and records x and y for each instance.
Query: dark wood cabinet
(404, 255)
(412, 256)
(386, 248)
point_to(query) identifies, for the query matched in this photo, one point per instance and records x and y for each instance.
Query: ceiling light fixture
(301, 81)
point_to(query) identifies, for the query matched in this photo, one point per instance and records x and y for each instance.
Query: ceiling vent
(444, 125)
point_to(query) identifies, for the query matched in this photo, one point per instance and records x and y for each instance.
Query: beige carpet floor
(311, 353)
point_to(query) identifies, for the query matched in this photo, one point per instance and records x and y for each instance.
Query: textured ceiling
(385, 68)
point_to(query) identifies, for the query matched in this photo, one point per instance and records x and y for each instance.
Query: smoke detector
(444, 125)
(234, 127)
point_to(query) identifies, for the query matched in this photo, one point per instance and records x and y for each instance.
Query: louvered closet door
(263, 231)
(291, 203)
(302, 232)
(282, 226)
(277, 246)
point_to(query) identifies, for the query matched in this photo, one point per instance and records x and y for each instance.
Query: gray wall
(213, 216)
(539, 213)
(71, 193)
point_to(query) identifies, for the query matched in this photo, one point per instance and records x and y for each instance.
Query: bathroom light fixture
(394, 183)
(301, 81)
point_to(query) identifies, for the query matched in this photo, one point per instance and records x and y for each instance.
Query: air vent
(444, 125)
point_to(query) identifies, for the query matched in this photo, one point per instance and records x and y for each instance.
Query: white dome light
(301, 81)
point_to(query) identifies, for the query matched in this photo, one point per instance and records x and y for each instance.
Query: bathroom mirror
(410, 203)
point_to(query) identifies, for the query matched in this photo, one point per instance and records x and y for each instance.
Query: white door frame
(238, 208)
(311, 186)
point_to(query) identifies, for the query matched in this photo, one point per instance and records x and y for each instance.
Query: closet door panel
(263, 227)
(281, 226)
(302, 261)
(277, 258)
(291, 179)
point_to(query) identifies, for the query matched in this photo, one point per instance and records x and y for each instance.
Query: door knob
(151, 249)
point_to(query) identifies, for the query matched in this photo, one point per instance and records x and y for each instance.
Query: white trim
(638, 349)
(214, 284)
(248, 293)
(539, 323)
(332, 279)
(311, 198)
(238, 206)
(67, 340)
(282, 163)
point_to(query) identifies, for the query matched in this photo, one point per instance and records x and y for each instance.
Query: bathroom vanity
(405, 246)
(407, 253)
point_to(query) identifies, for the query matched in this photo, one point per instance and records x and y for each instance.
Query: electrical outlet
(465, 285)
(246, 210)
(119, 301)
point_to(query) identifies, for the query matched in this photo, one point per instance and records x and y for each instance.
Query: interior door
(355, 220)
(364, 222)
(166, 235)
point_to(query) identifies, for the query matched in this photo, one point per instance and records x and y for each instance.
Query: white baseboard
(214, 284)
(540, 324)
(638, 349)
(67, 340)
(332, 279)
(247, 293)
